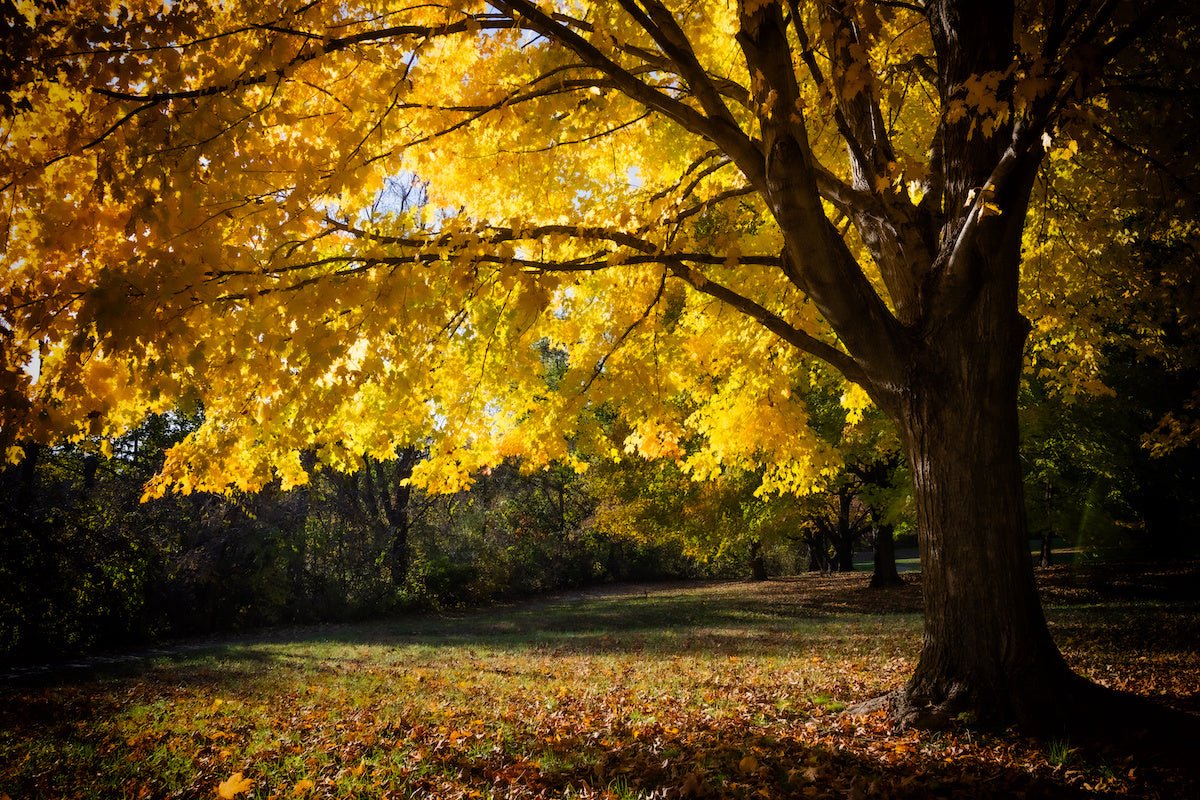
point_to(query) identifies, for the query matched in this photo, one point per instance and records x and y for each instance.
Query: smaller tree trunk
(845, 535)
(758, 563)
(885, 559)
(845, 555)
(818, 555)
(1048, 531)
(91, 466)
(28, 481)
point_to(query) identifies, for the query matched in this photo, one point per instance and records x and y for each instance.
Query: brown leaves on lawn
(743, 700)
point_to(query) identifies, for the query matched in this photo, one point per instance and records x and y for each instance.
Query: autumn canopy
(347, 227)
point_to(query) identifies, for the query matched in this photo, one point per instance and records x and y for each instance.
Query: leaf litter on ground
(730, 690)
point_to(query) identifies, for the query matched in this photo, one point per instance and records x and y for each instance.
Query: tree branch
(799, 339)
(731, 139)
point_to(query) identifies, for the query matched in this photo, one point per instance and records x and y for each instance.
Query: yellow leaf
(29, 10)
(235, 785)
(302, 786)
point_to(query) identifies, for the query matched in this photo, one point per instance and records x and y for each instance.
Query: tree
(301, 214)
(840, 520)
(379, 494)
(718, 522)
(863, 496)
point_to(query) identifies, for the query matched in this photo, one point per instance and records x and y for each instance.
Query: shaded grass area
(719, 690)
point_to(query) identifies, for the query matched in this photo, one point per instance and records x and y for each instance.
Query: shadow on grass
(781, 617)
(770, 619)
(773, 618)
(733, 616)
(765, 752)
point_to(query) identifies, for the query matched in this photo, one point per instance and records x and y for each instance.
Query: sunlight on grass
(726, 690)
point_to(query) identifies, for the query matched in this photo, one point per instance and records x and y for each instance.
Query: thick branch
(666, 33)
(731, 139)
(799, 339)
(898, 235)
(821, 264)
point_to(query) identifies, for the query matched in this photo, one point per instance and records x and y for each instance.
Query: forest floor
(707, 691)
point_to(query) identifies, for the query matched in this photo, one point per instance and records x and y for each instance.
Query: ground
(716, 690)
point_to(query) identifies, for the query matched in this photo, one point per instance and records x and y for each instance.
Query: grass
(726, 690)
(1058, 752)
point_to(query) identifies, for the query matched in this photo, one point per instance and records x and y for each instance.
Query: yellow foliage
(855, 400)
(288, 214)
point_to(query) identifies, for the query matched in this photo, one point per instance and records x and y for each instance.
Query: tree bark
(987, 654)
(818, 551)
(885, 559)
(817, 541)
(394, 495)
(987, 657)
(91, 466)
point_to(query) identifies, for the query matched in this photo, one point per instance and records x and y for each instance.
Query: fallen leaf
(302, 786)
(235, 785)
(693, 786)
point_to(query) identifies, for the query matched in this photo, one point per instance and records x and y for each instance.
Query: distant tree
(379, 495)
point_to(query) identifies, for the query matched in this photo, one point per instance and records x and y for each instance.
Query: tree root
(1090, 716)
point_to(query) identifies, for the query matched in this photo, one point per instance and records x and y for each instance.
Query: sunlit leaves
(233, 786)
(339, 229)
(234, 172)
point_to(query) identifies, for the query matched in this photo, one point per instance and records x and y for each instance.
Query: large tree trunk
(987, 654)
(987, 657)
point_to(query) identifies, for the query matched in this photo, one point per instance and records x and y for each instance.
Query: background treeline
(84, 564)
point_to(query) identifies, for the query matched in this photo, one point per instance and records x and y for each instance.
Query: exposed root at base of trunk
(883, 702)
(1085, 713)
